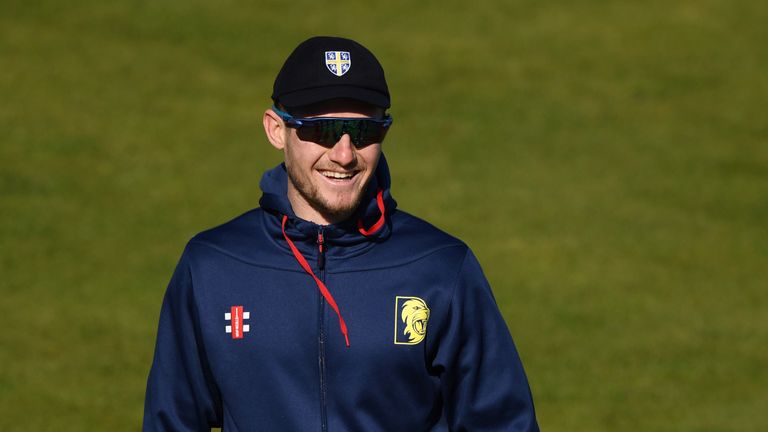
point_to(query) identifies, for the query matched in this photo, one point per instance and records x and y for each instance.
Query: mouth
(419, 326)
(337, 177)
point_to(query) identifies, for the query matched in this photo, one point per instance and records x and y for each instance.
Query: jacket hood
(274, 200)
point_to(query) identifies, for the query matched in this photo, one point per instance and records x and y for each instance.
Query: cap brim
(319, 94)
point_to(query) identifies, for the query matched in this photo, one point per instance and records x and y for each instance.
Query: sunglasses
(327, 131)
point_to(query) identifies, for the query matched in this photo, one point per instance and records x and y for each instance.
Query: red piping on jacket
(320, 285)
(379, 223)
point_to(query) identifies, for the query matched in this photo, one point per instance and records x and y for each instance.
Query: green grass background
(607, 161)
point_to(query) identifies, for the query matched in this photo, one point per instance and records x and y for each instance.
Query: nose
(343, 152)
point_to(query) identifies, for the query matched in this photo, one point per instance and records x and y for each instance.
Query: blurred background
(606, 160)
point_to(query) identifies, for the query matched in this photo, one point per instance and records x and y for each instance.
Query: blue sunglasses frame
(327, 131)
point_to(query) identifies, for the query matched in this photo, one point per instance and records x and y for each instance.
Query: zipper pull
(321, 250)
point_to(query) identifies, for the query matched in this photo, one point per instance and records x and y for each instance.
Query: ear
(275, 129)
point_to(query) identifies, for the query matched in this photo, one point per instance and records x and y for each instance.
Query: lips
(338, 175)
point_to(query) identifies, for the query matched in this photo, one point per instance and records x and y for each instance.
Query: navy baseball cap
(324, 67)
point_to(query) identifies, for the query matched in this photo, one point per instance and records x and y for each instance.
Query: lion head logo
(414, 313)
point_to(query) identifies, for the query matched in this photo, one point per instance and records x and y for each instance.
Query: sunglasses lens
(327, 132)
(320, 132)
(369, 132)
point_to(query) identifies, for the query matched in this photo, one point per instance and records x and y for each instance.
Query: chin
(341, 209)
(340, 212)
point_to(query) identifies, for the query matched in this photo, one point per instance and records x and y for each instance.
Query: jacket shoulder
(241, 238)
(230, 232)
(422, 232)
(414, 238)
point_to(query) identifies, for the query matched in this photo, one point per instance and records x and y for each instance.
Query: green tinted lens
(369, 132)
(328, 132)
(323, 132)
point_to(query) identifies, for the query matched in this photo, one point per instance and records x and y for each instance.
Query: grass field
(607, 161)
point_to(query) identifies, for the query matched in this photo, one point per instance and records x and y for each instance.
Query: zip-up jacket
(379, 323)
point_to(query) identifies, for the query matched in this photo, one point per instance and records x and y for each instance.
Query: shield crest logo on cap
(338, 62)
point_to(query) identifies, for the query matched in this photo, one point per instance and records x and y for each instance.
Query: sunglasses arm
(287, 118)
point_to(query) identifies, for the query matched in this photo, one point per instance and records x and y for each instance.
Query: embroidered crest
(338, 62)
(236, 316)
(411, 316)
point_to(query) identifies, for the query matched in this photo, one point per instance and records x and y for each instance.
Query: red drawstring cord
(320, 285)
(379, 223)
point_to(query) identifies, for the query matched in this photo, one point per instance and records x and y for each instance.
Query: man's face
(326, 183)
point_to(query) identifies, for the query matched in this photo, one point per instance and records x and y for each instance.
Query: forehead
(340, 105)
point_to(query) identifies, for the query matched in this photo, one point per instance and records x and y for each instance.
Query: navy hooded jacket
(248, 342)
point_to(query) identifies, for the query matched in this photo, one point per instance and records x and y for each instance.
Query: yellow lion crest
(414, 313)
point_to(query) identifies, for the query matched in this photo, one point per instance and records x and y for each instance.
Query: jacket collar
(274, 200)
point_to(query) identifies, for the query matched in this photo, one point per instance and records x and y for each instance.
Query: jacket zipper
(321, 250)
(321, 332)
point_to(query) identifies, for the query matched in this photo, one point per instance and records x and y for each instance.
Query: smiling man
(327, 308)
(327, 181)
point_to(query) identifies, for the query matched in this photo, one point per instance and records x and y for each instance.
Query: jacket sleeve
(181, 394)
(483, 382)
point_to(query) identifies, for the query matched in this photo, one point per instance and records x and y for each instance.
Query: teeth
(337, 175)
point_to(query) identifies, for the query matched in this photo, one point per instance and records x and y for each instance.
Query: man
(327, 308)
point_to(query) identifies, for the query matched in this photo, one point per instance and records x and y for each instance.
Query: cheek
(299, 155)
(371, 155)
